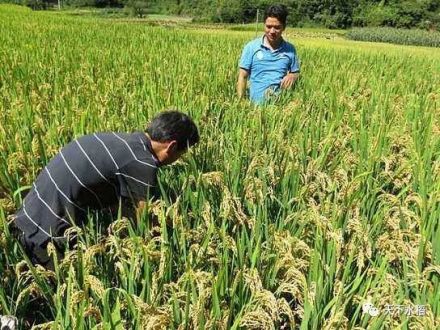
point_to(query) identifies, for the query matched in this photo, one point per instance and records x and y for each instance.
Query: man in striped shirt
(96, 172)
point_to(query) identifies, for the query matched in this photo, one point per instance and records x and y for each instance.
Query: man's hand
(141, 208)
(142, 212)
(289, 80)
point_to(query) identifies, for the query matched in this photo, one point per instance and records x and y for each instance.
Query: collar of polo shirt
(282, 43)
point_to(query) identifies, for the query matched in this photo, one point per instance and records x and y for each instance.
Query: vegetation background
(424, 14)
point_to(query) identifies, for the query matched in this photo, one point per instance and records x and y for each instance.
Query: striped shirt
(91, 173)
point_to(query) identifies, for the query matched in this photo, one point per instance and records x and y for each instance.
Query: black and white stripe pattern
(92, 172)
(132, 153)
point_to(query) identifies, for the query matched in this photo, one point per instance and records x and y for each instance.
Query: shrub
(36, 4)
(137, 8)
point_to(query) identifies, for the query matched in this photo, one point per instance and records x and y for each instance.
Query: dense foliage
(396, 36)
(287, 216)
(423, 14)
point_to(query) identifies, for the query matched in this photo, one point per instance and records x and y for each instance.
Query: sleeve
(246, 57)
(137, 181)
(294, 66)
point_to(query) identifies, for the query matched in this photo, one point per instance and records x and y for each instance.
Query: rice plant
(396, 36)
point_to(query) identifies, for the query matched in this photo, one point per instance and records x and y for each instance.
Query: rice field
(397, 36)
(292, 216)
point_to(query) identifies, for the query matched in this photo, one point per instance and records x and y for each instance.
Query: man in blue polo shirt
(270, 62)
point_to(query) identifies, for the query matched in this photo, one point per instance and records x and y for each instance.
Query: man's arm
(242, 82)
(289, 80)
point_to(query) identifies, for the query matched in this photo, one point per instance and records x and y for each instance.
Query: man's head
(172, 133)
(275, 18)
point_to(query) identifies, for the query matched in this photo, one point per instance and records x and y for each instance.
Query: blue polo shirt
(266, 67)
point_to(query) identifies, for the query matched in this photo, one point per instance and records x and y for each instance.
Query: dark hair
(173, 125)
(277, 11)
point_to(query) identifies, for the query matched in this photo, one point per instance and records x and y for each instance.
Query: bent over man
(95, 172)
(270, 62)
